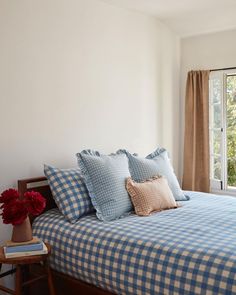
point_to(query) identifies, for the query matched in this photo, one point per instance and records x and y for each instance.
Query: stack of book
(33, 247)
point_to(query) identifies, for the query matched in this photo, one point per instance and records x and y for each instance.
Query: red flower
(15, 209)
(14, 212)
(8, 196)
(35, 202)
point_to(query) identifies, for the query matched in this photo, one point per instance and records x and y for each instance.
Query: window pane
(217, 124)
(215, 90)
(216, 141)
(217, 168)
(231, 130)
(217, 116)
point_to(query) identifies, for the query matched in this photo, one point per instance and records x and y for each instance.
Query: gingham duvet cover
(189, 250)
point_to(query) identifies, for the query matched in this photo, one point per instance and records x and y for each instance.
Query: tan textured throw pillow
(151, 195)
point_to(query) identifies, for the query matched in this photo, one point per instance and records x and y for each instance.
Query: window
(222, 109)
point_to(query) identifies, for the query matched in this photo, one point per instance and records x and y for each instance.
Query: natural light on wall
(223, 130)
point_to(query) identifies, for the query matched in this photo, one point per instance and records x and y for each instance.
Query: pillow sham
(69, 192)
(151, 195)
(157, 163)
(105, 179)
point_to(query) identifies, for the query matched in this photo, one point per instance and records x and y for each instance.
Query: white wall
(82, 74)
(210, 51)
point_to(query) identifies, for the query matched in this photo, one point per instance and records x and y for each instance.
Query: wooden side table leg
(18, 282)
(50, 279)
(26, 277)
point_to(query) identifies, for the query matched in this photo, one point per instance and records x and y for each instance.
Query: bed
(189, 250)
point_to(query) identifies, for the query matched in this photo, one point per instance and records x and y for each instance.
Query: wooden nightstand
(22, 270)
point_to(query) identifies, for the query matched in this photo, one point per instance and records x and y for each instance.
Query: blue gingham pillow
(157, 163)
(69, 192)
(105, 178)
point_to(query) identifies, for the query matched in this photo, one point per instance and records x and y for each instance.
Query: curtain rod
(223, 69)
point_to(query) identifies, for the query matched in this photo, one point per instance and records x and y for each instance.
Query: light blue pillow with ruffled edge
(157, 163)
(105, 177)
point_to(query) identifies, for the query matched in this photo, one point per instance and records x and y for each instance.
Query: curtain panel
(196, 143)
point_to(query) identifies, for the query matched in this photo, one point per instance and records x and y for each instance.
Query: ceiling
(187, 17)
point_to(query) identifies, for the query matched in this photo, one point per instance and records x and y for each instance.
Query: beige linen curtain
(196, 143)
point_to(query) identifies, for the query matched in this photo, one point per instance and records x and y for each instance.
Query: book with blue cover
(24, 248)
(44, 250)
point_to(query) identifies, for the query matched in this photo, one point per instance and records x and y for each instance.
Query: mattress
(189, 250)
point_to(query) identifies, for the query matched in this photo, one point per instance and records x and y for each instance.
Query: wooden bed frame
(64, 284)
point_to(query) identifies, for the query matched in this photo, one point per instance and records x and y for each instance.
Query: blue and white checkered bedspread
(189, 250)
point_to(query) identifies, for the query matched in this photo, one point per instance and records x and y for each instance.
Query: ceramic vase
(22, 232)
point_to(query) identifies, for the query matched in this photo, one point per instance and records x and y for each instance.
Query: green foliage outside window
(231, 130)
